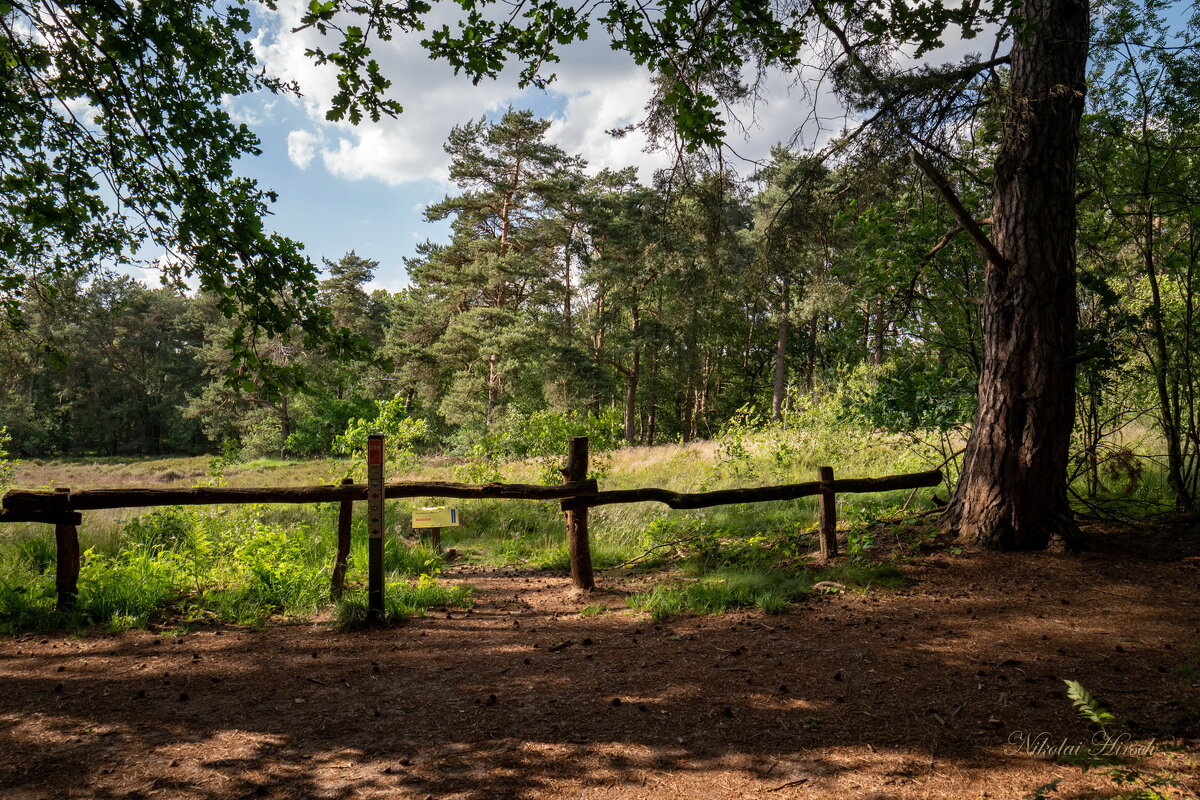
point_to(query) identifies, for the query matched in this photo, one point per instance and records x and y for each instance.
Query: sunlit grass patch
(771, 592)
(402, 600)
(605, 555)
(863, 576)
(722, 591)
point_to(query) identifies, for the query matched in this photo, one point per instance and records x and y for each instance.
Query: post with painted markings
(66, 568)
(375, 528)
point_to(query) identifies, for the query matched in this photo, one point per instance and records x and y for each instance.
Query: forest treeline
(648, 313)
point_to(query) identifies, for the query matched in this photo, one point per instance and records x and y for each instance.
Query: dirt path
(913, 694)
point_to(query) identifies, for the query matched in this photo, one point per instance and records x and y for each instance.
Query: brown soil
(919, 693)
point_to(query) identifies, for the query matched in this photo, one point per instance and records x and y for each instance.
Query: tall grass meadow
(247, 564)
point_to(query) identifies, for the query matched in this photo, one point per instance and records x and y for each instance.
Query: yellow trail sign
(435, 518)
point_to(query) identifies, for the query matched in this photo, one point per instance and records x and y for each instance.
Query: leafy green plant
(860, 541)
(8, 465)
(1108, 753)
(482, 464)
(401, 434)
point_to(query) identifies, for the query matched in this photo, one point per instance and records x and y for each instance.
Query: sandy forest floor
(917, 693)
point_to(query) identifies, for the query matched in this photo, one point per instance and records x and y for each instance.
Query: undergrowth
(728, 589)
(401, 600)
(247, 564)
(194, 565)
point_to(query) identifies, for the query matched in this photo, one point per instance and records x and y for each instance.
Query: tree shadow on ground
(924, 692)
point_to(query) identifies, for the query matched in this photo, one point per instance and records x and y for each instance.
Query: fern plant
(1130, 783)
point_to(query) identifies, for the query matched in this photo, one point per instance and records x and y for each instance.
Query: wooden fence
(576, 494)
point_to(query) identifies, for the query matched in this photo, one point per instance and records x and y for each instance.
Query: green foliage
(770, 591)
(403, 559)
(167, 528)
(261, 436)
(913, 392)
(543, 436)
(722, 591)
(402, 600)
(195, 564)
(133, 587)
(1087, 706)
(401, 434)
(557, 557)
(482, 463)
(93, 174)
(1107, 752)
(8, 465)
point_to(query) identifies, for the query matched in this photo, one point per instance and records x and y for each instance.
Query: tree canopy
(120, 148)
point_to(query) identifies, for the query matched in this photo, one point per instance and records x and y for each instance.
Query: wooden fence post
(66, 564)
(577, 519)
(375, 587)
(345, 520)
(828, 502)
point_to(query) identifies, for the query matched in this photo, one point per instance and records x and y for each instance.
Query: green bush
(401, 434)
(8, 466)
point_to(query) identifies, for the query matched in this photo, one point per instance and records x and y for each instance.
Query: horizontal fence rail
(576, 495)
(32, 502)
(761, 494)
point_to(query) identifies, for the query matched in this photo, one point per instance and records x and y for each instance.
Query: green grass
(240, 565)
(249, 564)
(605, 555)
(722, 591)
(771, 592)
(402, 600)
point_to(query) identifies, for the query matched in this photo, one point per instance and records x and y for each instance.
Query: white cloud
(597, 89)
(302, 147)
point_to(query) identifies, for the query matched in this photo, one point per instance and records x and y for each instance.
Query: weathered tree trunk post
(345, 520)
(435, 539)
(828, 503)
(66, 564)
(577, 519)
(375, 549)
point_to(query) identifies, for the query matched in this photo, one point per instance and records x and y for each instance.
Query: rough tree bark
(1013, 490)
(632, 377)
(781, 350)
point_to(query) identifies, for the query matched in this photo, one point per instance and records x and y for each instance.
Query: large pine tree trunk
(634, 374)
(781, 351)
(1013, 492)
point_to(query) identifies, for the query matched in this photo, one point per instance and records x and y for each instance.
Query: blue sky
(365, 187)
(332, 215)
(380, 216)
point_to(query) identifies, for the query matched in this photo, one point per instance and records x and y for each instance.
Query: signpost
(434, 519)
(375, 527)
